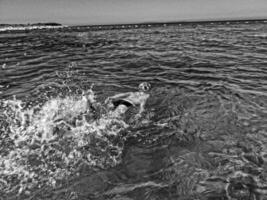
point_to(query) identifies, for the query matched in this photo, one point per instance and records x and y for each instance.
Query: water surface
(203, 134)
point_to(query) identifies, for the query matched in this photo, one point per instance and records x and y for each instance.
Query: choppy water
(203, 134)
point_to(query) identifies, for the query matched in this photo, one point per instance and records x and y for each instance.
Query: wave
(263, 35)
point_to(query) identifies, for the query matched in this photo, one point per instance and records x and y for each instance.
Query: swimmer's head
(145, 86)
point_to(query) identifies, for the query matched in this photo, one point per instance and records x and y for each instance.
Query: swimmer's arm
(141, 110)
(121, 95)
(118, 96)
(142, 107)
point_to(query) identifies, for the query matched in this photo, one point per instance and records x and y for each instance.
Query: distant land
(23, 27)
(34, 24)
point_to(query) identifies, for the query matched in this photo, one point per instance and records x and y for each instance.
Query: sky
(71, 12)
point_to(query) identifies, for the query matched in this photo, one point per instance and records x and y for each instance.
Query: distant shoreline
(25, 27)
(33, 24)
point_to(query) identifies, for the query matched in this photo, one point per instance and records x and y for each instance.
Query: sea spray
(47, 143)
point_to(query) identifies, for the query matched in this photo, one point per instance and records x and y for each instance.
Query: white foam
(48, 140)
(263, 35)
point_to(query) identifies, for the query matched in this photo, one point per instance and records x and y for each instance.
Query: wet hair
(145, 86)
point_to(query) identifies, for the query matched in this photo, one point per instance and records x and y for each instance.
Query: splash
(45, 144)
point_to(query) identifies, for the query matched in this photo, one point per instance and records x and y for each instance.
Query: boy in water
(120, 103)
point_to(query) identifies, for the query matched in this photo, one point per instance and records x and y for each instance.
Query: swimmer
(120, 103)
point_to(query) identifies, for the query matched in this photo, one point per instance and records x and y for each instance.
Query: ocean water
(203, 134)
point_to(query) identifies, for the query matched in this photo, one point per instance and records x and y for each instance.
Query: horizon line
(176, 22)
(152, 22)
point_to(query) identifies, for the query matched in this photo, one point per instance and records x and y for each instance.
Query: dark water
(203, 134)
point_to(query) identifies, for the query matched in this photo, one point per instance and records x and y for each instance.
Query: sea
(202, 135)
